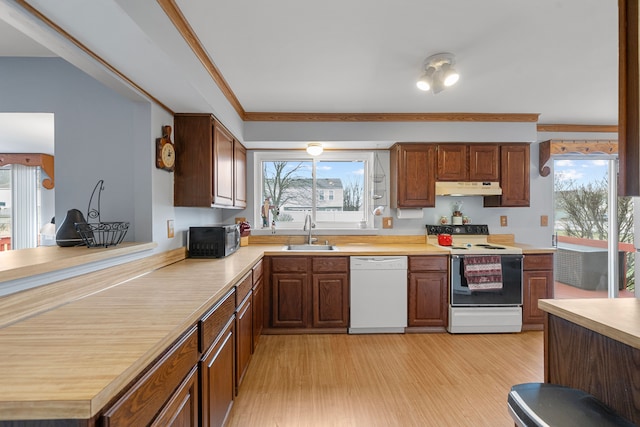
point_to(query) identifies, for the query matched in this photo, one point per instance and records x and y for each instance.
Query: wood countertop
(23, 263)
(69, 362)
(616, 318)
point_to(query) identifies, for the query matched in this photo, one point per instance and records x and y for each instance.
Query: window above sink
(333, 187)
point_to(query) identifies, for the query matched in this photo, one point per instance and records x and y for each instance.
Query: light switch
(170, 229)
(503, 220)
(387, 222)
(544, 220)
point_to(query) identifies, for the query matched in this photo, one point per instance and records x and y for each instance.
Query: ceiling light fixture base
(438, 73)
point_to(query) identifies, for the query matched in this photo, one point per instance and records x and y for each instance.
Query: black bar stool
(542, 405)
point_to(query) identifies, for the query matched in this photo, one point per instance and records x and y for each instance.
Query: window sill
(316, 232)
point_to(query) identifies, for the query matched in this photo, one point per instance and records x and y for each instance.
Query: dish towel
(483, 272)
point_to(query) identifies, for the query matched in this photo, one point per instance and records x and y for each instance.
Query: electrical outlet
(544, 221)
(503, 220)
(170, 229)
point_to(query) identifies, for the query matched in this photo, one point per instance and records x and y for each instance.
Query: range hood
(468, 188)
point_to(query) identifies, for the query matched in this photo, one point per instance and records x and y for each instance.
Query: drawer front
(212, 323)
(257, 272)
(330, 264)
(243, 287)
(293, 264)
(146, 397)
(428, 263)
(538, 262)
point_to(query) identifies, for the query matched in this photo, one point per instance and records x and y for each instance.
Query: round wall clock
(165, 151)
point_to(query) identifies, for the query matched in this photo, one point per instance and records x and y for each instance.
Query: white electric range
(481, 310)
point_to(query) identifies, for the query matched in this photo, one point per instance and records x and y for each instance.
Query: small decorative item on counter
(100, 234)
(445, 239)
(444, 220)
(456, 217)
(273, 227)
(245, 231)
(67, 234)
(466, 220)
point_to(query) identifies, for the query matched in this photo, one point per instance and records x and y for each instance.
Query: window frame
(336, 156)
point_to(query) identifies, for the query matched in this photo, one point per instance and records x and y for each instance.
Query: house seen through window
(331, 188)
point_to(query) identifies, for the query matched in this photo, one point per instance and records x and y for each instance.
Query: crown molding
(577, 128)
(388, 117)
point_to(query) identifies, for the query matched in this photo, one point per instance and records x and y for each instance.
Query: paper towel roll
(409, 213)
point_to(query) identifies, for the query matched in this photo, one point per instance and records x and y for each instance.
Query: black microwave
(213, 241)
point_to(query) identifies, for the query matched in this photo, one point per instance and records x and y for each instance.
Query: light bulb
(426, 80)
(314, 148)
(451, 76)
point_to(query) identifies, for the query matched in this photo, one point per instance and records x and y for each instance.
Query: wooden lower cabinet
(244, 337)
(153, 395)
(330, 300)
(217, 381)
(182, 408)
(428, 292)
(537, 283)
(258, 310)
(310, 293)
(289, 303)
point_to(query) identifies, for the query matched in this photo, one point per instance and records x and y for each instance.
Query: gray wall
(100, 134)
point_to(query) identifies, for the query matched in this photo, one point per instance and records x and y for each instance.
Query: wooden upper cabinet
(240, 175)
(468, 162)
(514, 177)
(484, 162)
(413, 175)
(452, 162)
(223, 173)
(193, 183)
(211, 165)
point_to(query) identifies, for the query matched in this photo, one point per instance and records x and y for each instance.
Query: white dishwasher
(378, 294)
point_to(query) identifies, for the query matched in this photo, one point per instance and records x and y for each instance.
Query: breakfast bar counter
(594, 345)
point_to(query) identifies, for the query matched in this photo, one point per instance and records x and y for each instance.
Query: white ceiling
(557, 58)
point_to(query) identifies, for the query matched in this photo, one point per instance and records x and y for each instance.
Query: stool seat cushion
(541, 404)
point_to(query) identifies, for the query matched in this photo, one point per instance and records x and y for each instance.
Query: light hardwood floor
(386, 379)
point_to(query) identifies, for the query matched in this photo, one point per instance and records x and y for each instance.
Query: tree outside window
(332, 189)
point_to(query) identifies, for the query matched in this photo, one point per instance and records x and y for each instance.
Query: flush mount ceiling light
(314, 148)
(438, 73)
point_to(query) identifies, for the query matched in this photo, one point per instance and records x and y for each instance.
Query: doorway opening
(583, 220)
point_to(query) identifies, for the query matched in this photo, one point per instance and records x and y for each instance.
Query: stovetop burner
(470, 239)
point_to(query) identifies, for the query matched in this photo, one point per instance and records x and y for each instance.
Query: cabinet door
(240, 175)
(536, 285)
(452, 162)
(244, 338)
(217, 379)
(289, 305)
(330, 300)
(514, 177)
(483, 162)
(413, 176)
(182, 408)
(193, 182)
(223, 175)
(258, 312)
(147, 397)
(428, 299)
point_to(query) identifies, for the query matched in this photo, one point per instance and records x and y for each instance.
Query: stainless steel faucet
(307, 219)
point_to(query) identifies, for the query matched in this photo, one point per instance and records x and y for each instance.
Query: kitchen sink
(310, 248)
